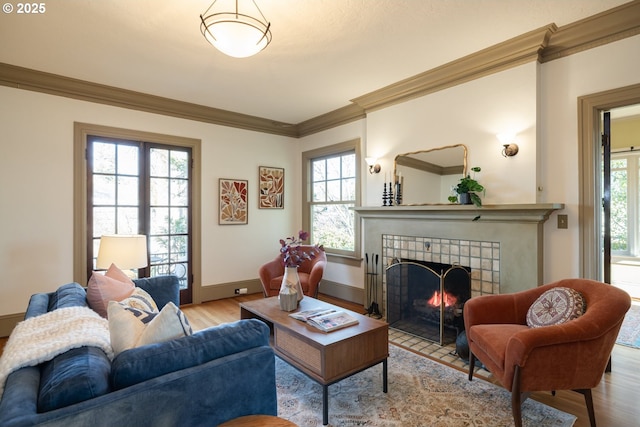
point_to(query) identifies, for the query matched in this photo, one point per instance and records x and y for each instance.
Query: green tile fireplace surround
(504, 247)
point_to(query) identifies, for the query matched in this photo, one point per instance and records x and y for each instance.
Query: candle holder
(398, 193)
(391, 200)
(385, 195)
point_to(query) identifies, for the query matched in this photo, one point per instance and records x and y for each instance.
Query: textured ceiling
(323, 54)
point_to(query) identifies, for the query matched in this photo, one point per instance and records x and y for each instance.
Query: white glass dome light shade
(236, 35)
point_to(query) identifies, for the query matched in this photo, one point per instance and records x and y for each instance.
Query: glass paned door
(142, 188)
(169, 220)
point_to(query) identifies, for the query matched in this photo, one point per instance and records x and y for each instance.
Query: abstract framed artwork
(271, 188)
(233, 202)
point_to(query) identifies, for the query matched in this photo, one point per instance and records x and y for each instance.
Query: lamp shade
(125, 251)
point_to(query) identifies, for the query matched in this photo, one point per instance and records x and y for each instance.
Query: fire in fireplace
(426, 299)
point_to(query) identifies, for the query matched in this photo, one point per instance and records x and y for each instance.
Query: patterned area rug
(421, 393)
(630, 332)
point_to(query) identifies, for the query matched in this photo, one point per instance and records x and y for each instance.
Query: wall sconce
(373, 166)
(509, 149)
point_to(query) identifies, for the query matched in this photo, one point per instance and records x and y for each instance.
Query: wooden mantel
(538, 212)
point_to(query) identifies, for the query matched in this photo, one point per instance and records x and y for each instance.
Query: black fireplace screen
(426, 299)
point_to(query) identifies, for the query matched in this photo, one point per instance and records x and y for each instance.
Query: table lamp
(127, 252)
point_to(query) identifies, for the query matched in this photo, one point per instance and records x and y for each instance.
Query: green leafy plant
(469, 185)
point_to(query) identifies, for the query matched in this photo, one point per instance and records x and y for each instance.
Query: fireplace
(503, 248)
(426, 299)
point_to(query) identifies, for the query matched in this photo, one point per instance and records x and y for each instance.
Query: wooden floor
(615, 399)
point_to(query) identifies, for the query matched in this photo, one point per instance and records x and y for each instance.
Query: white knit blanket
(41, 338)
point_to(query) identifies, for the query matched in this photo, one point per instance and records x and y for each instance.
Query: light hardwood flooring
(615, 399)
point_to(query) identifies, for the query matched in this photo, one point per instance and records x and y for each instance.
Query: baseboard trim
(345, 292)
(227, 290)
(8, 322)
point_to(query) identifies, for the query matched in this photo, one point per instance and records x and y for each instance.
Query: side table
(258, 420)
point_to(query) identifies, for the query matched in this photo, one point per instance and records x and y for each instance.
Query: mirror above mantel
(428, 175)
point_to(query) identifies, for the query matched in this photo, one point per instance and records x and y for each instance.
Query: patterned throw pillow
(131, 327)
(141, 300)
(555, 306)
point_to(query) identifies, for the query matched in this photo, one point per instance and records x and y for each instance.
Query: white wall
(562, 81)
(471, 114)
(36, 191)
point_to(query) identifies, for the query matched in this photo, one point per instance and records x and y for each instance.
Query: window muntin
(333, 192)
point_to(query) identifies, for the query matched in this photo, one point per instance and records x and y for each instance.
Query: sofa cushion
(74, 376)
(114, 285)
(69, 295)
(131, 327)
(493, 339)
(555, 306)
(163, 289)
(143, 363)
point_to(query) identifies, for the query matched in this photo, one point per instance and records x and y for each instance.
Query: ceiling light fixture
(236, 34)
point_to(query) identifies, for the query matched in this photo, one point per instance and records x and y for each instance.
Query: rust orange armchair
(310, 273)
(568, 356)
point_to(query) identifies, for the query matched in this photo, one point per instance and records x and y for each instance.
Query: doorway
(590, 173)
(620, 128)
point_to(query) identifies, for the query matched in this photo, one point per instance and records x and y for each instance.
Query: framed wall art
(271, 188)
(233, 201)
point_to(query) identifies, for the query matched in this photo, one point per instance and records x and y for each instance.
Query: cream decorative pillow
(141, 300)
(114, 285)
(556, 306)
(130, 327)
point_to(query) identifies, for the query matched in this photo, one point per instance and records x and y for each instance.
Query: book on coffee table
(325, 319)
(332, 321)
(307, 314)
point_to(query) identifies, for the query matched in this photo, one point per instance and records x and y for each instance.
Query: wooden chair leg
(516, 396)
(588, 400)
(472, 365)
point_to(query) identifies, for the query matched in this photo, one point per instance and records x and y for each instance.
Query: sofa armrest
(143, 363)
(163, 289)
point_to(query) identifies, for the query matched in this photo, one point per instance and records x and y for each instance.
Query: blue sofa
(207, 378)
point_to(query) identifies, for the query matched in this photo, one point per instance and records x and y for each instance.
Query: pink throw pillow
(114, 285)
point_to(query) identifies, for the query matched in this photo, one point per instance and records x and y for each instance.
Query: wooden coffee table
(325, 357)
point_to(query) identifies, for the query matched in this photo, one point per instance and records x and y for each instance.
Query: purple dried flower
(292, 255)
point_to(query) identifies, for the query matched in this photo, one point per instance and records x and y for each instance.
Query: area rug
(629, 334)
(421, 393)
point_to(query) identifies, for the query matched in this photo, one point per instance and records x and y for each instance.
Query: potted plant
(467, 190)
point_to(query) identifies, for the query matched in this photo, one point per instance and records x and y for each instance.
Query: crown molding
(331, 119)
(38, 81)
(511, 53)
(605, 27)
